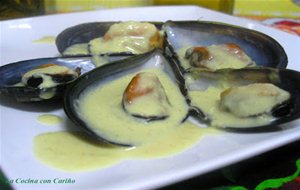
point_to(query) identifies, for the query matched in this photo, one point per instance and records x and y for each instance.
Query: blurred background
(282, 14)
(258, 8)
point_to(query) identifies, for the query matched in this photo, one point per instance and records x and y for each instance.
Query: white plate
(19, 126)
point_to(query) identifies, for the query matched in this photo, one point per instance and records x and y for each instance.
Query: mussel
(46, 78)
(245, 99)
(204, 36)
(110, 102)
(41, 79)
(100, 94)
(110, 37)
(146, 87)
(216, 57)
(253, 100)
(179, 35)
(95, 101)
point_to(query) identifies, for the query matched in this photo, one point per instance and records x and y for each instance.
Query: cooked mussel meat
(145, 98)
(225, 39)
(48, 75)
(218, 57)
(249, 98)
(253, 99)
(98, 38)
(111, 103)
(41, 79)
(134, 37)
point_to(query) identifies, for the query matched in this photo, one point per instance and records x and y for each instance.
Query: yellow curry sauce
(119, 126)
(220, 59)
(131, 36)
(49, 119)
(74, 151)
(209, 102)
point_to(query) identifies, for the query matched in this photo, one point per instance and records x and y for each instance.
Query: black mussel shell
(262, 49)
(288, 80)
(110, 72)
(83, 33)
(11, 74)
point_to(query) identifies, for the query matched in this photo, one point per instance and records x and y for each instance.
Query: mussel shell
(11, 74)
(83, 33)
(262, 49)
(107, 73)
(285, 79)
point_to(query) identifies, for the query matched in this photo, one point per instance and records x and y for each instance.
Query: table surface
(261, 172)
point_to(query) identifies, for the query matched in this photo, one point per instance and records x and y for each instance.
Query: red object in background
(288, 26)
(293, 185)
(298, 179)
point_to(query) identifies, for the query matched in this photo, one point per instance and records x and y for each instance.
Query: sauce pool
(49, 119)
(75, 151)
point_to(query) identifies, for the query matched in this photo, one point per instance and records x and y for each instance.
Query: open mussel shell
(105, 75)
(11, 75)
(288, 80)
(83, 33)
(262, 49)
